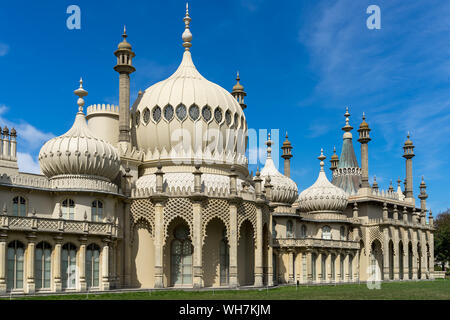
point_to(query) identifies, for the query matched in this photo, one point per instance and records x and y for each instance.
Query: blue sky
(301, 62)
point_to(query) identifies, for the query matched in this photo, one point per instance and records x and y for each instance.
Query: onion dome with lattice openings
(323, 196)
(348, 174)
(176, 114)
(284, 189)
(79, 153)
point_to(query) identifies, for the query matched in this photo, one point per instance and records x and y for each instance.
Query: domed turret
(284, 189)
(323, 195)
(79, 152)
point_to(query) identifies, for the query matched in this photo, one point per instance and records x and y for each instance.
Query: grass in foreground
(426, 290)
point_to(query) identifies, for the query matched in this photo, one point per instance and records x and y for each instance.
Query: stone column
(197, 240)
(358, 265)
(259, 248)
(431, 245)
(57, 284)
(105, 265)
(3, 240)
(385, 254)
(309, 263)
(270, 254)
(30, 258)
(406, 260)
(345, 263)
(337, 264)
(329, 276)
(396, 261)
(291, 267)
(234, 281)
(126, 245)
(82, 264)
(159, 240)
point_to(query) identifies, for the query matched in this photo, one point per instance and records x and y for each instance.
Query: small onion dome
(334, 156)
(238, 86)
(79, 151)
(124, 44)
(408, 142)
(286, 142)
(364, 124)
(284, 189)
(323, 195)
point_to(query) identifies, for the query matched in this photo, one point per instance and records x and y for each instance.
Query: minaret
(238, 92)
(124, 67)
(364, 139)
(287, 155)
(423, 196)
(408, 154)
(334, 160)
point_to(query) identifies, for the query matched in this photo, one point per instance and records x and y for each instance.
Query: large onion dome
(323, 195)
(284, 189)
(79, 152)
(186, 117)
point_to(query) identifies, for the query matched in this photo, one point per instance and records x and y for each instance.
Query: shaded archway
(419, 261)
(216, 254)
(178, 254)
(246, 254)
(410, 260)
(142, 255)
(376, 260)
(391, 260)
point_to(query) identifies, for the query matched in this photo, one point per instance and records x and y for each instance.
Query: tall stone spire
(287, 155)
(238, 92)
(348, 173)
(364, 139)
(124, 67)
(408, 154)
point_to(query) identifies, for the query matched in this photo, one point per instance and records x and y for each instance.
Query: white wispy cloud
(4, 49)
(29, 141)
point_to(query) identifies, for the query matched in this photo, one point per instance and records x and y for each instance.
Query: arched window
(19, 206)
(97, 211)
(343, 235)
(303, 231)
(68, 209)
(289, 229)
(92, 265)
(326, 232)
(68, 266)
(181, 257)
(224, 259)
(43, 263)
(15, 265)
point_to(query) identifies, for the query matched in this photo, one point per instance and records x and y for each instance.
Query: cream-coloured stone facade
(144, 195)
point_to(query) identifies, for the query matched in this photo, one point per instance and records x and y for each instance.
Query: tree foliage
(442, 237)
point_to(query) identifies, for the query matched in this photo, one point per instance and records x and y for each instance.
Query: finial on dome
(187, 35)
(80, 92)
(321, 158)
(124, 34)
(269, 148)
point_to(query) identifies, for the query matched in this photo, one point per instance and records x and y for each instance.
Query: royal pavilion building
(134, 196)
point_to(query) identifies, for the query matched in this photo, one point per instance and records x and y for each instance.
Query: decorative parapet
(102, 108)
(59, 225)
(315, 243)
(347, 171)
(385, 194)
(83, 182)
(24, 179)
(399, 223)
(328, 216)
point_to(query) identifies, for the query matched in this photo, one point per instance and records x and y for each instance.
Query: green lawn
(438, 289)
